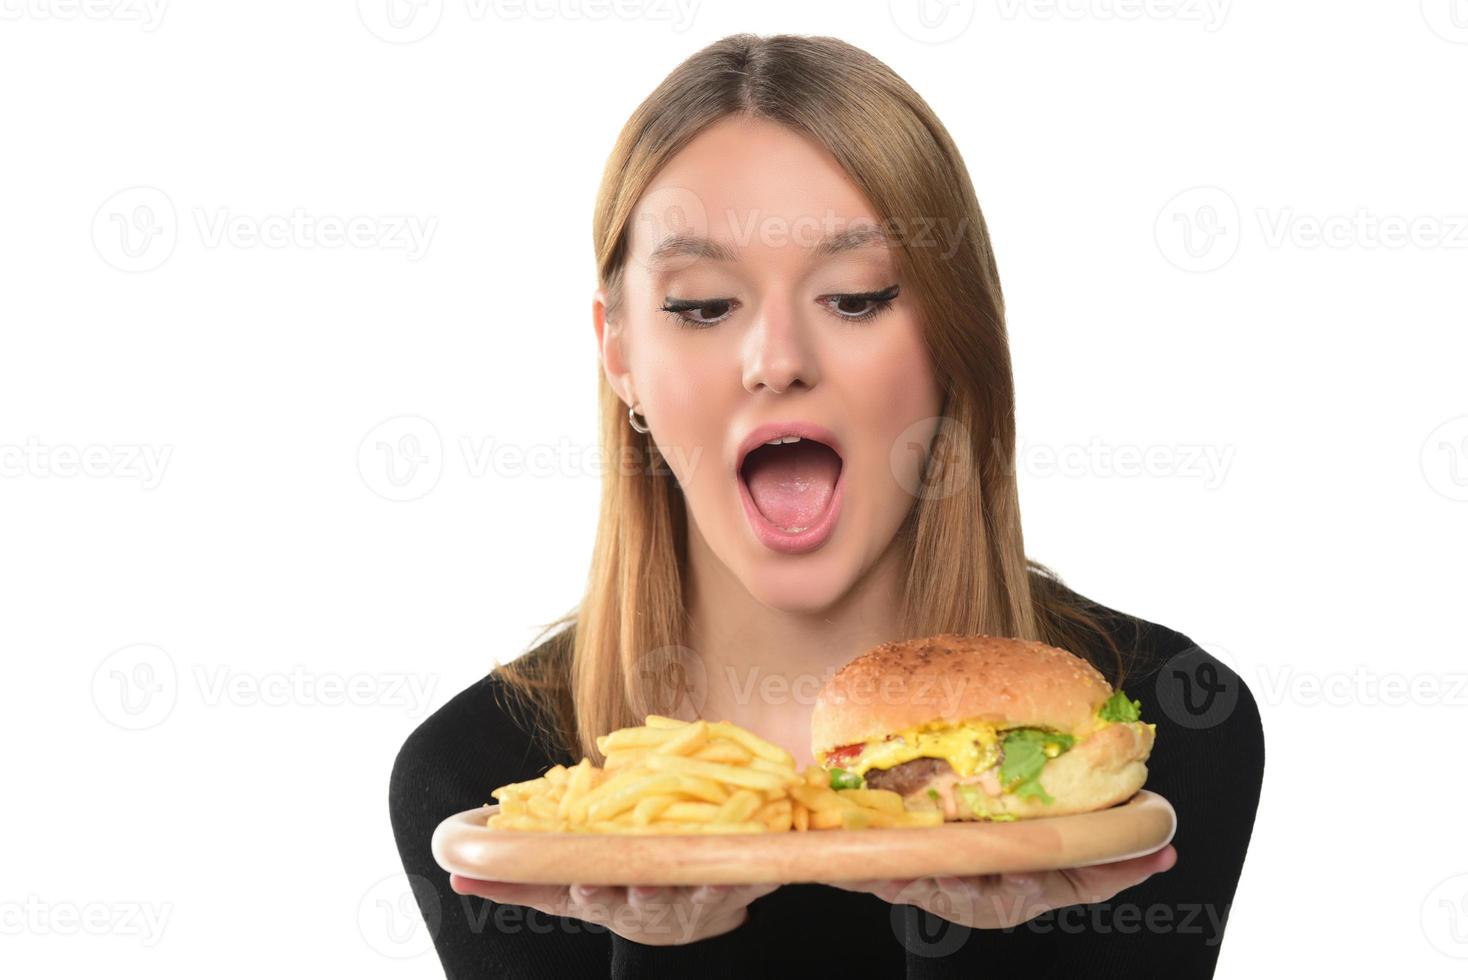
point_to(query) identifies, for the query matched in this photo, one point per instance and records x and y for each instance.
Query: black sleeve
(735, 955)
(1208, 761)
(451, 763)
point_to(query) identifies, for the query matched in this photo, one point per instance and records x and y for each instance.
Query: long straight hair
(964, 564)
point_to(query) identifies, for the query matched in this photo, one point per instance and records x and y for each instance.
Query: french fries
(673, 777)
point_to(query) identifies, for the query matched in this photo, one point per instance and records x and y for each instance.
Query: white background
(211, 659)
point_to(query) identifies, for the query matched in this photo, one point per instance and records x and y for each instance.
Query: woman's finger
(647, 898)
(1101, 881)
(733, 896)
(954, 899)
(550, 899)
(710, 894)
(744, 894)
(595, 896)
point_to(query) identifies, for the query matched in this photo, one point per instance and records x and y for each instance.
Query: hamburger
(982, 728)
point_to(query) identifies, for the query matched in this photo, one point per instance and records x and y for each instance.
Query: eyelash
(881, 300)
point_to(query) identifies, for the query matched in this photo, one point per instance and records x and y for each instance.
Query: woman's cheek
(686, 460)
(896, 428)
(690, 430)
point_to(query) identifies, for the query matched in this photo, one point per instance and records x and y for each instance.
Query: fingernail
(462, 886)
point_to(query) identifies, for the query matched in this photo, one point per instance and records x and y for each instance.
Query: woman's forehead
(809, 243)
(750, 183)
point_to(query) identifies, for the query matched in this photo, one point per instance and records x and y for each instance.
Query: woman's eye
(854, 307)
(845, 306)
(698, 312)
(861, 306)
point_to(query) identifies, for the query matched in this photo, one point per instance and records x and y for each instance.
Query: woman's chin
(809, 583)
(813, 586)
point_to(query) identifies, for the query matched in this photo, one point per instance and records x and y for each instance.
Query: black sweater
(1208, 761)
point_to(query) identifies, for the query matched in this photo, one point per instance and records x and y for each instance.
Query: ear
(609, 345)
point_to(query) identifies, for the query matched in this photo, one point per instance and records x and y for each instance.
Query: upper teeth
(782, 439)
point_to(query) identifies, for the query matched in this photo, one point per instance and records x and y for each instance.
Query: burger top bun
(952, 678)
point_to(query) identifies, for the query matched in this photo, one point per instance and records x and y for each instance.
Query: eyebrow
(699, 247)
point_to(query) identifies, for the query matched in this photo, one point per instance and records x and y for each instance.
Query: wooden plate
(463, 844)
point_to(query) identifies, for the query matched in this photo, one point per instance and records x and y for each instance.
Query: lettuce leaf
(1026, 750)
(973, 797)
(1119, 707)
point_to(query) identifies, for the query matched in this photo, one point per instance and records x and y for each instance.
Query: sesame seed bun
(952, 678)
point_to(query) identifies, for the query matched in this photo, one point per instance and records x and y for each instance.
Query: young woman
(788, 243)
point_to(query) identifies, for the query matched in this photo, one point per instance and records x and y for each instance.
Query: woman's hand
(654, 916)
(1002, 901)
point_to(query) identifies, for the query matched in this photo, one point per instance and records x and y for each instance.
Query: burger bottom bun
(1100, 771)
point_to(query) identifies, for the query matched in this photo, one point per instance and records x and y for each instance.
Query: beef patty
(909, 777)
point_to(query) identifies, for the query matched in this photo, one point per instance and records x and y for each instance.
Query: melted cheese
(969, 748)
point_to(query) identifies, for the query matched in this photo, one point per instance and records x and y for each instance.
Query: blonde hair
(965, 569)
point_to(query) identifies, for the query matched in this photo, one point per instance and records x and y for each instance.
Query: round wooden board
(463, 844)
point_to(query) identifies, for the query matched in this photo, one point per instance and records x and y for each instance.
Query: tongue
(792, 484)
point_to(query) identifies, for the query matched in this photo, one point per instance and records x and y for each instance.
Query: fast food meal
(910, 734)
(981, 728)
(675, 777)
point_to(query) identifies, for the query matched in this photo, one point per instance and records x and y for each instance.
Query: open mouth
(792, 481)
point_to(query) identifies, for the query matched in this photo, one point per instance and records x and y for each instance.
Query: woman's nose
(777, 352)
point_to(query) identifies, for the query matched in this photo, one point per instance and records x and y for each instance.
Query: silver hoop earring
(632, 421)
